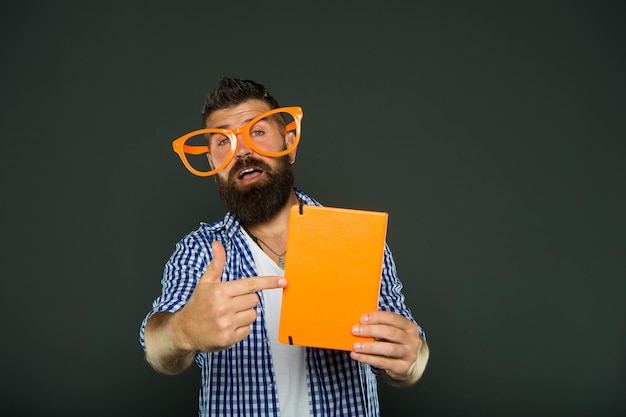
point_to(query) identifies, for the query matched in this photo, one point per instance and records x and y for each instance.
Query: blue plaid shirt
(240, 381)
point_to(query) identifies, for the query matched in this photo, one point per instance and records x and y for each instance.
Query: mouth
(249, 174)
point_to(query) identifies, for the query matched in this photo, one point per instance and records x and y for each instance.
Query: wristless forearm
(164, 351)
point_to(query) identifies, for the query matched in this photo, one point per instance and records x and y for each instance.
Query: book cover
(333, 268)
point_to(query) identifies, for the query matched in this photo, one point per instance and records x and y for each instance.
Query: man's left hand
(398, 348)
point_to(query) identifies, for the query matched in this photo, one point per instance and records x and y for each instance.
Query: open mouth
(251, 171)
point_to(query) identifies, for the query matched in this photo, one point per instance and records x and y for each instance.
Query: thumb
(213, 272)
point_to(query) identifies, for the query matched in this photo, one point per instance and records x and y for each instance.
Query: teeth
(246, 171)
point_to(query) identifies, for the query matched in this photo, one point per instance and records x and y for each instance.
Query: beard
(257, 203)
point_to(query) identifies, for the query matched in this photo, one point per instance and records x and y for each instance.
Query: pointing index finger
(254, 284)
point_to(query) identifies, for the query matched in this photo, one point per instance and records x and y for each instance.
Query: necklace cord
(257, 240)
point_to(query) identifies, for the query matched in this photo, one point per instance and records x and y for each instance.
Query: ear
(208, 157)
(289, 138)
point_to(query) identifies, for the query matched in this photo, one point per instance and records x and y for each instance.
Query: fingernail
(356, 329)
(365, 319)
(282, 282)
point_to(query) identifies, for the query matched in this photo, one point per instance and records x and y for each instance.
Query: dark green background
(492, 132)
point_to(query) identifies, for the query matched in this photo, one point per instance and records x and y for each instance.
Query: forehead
(232, 117)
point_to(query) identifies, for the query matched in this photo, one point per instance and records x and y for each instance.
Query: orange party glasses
(207, 151)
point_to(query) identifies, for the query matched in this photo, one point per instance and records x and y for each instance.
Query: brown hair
(231, 91)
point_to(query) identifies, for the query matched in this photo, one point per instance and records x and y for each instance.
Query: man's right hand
(217, 316)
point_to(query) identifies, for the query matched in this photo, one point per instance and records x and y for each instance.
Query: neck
(271, 236)
(276, 227)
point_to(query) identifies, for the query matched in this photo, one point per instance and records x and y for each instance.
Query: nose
(243, 150)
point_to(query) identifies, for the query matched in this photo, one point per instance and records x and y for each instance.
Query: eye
(219, 140)
(259, 129)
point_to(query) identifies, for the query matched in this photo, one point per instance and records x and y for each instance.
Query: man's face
(253, 187)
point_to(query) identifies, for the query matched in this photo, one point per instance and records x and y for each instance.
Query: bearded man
(222, 286)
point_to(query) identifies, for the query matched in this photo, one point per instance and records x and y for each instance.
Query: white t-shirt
(289, 361)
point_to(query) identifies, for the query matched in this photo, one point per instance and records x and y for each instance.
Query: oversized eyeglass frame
(182, 149)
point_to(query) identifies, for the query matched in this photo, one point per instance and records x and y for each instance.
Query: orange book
(333, 268)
